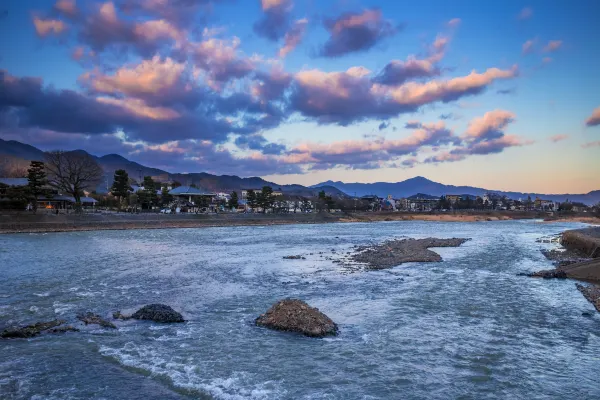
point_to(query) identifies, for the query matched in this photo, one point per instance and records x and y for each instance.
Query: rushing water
(467, 327)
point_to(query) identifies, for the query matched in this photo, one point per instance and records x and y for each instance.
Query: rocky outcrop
(94, 319)
(562, 258)
(118, 315)
(63, 329)
(30, 331)
(158, 313)
(548, 274)
(292, 315)
(585, 240)
(396, 252)
(298, 257)
(591, 293)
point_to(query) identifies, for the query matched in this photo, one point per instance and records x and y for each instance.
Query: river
(466, 328)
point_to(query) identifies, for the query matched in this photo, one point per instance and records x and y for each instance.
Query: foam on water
(185, 374)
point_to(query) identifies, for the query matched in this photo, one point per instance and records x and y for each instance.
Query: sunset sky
(503, 95)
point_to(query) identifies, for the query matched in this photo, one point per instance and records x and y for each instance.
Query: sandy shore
(28, 223)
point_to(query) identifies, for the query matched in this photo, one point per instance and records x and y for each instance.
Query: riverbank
(29, 223)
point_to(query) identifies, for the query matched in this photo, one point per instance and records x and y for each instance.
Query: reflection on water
(467, 327)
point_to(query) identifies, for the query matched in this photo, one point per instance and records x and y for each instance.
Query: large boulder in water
(158, 313)
(296, 316)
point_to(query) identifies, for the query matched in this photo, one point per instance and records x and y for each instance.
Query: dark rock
(118, 315)
(591, 293)
(293, 315)
(158, 313)
(63, 329)
(30, 330)
(549, 274)
(91, 318)
(565, 257)
(294, 257)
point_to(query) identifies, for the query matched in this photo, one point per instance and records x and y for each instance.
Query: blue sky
(206, 88)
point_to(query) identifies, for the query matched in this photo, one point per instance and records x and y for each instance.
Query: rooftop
(189, 191)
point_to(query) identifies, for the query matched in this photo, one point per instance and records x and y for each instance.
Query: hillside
(20, 154)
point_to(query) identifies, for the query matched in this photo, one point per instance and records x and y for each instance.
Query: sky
(498, 95)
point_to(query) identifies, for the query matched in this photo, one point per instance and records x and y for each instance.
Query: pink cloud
(66, 7)
(558, 138)
(139, 108)
(363, 153)
(221, 60)
(148, 77)
(553, 45)
(484, 135)
(594, 119)
(269, 4)
(525, 13)
(352, 95)
(158, 29)
(454, 22)
(417, 94)
(45, 27)
(293, 37)
(528, 46)
(492, 123)
(397, 72)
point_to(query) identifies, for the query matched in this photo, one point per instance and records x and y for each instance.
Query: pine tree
(36, 181)
(148, 196)
(252, 199)
(120, 187)
(165, 196)
(233, 201)
(265, 198)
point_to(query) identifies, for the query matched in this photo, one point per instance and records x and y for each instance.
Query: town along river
(466, 327)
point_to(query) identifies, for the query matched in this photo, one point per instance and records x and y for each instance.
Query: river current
(465, 328)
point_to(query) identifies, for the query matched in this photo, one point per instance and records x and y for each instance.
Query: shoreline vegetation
(41, 223)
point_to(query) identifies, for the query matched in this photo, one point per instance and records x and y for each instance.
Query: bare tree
(13, 167)
(72, 172)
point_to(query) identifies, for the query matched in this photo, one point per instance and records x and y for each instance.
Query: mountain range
(18, 153)
(420, 184)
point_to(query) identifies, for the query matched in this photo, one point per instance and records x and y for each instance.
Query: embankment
(585, 240)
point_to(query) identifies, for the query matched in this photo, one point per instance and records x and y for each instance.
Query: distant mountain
(20, 150)
(20, 154)
(423, 185)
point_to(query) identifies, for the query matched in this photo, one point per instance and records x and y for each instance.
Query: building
(276, 193)
(53, 200)
(421, 202)
(61, 202)
(453, 198)
(192, 197)
(546, 205)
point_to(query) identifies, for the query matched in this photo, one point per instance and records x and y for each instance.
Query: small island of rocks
(395, 252)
